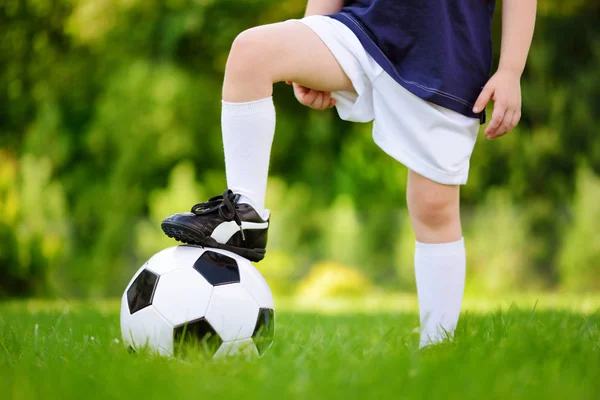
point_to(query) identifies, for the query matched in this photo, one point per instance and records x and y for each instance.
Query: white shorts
(431, 140)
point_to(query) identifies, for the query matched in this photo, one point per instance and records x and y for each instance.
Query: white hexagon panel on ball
(182, 296)
(255, 284)
(174, 258)
(232, 312)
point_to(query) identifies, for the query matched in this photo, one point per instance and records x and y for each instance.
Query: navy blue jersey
(440, 50)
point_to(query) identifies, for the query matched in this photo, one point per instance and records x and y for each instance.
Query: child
(418, 69)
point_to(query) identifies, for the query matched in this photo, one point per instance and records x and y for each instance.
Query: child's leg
(439, 256)
(259, 57)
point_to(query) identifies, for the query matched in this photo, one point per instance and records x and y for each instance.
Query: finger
(331, 103)
(301, 94)
(516, 118)
(326, 100)
(310, 97)
(288, 82)
(505, 127)
(319, 101)
(484, 98)
(497, 117)
(301, 90)
(492, 132)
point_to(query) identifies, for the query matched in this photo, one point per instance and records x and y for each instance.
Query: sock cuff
(459, 245)
(247, 108)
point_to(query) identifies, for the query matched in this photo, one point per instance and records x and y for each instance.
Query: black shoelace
(223, 204)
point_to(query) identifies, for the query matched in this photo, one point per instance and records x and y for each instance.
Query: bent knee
(248, 51)
(249, 41)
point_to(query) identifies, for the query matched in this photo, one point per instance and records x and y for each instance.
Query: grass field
(73, 351)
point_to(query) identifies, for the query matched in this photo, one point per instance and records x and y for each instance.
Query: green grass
(72, 351)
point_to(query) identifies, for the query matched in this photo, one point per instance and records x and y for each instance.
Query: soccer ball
(188, 296)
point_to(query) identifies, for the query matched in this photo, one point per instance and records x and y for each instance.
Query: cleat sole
(185, 235)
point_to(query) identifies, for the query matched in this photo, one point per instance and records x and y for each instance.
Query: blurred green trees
(109, 120)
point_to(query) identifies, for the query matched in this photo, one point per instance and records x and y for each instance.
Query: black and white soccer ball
(188, 295)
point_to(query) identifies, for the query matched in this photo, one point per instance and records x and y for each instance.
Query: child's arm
(518, 21)
(323, 7)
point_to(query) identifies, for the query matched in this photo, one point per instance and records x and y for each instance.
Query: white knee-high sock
(440, 274)
(248, 131)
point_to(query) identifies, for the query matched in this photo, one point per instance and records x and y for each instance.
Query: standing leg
(259, 57)
(439, 257)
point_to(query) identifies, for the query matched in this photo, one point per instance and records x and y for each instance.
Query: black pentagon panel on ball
(264, 330)
(141, 291)
(217, 269)
(196, 335)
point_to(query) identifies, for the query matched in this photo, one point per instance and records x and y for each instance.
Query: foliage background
(109, 121)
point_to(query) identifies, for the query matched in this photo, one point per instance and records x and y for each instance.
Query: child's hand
(505, 89)
(312, 98)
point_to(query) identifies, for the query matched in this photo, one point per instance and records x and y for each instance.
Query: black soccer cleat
(221, 223)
